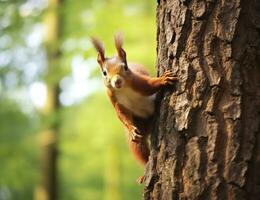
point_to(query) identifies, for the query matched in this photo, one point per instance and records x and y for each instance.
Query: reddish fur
(140, 151)
(146, 85)
(138, 69)
(138, 79)
(100, 49)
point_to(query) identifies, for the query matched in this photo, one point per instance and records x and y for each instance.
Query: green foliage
(18, 138)
(102, 19)
(94, 161)
(18, 152)
(94, 154)
(92, 136)
(18, 55)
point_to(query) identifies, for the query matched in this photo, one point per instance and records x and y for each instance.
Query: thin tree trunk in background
(206, 141)
(49, 137)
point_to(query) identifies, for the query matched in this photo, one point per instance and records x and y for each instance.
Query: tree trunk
(206, 139)
(47, 190)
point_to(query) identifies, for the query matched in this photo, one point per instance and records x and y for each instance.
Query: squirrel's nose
(118, 83)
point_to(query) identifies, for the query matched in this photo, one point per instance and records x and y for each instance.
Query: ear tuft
(100, 49)
(119, 44)
(118, 40)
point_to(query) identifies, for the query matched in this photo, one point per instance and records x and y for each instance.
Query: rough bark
(206, 139)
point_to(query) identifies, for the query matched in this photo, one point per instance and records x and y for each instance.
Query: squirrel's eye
(104, 73)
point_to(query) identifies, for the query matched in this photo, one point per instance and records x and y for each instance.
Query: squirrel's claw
(169, 77)
(135, 135)
(140, 180)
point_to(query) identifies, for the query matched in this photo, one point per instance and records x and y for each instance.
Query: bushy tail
(140, 151)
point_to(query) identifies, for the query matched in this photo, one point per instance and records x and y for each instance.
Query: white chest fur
(139, 105)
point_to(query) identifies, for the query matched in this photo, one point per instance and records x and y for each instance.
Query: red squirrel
(132, 92)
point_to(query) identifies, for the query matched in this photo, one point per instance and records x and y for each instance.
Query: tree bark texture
(206, 140)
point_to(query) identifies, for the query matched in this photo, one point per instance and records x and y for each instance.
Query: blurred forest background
(53, 102)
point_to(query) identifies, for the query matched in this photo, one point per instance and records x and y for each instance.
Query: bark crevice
(206, 139)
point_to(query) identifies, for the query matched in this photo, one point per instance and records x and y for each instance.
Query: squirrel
(132, 92)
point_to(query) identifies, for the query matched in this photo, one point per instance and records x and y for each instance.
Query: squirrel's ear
(100, 49)
(119, 43)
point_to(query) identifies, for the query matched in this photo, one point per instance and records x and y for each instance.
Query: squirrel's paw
(135, 134)
(168, 77)
(140, 180)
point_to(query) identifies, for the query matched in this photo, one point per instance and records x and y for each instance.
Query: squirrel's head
(115, 69)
